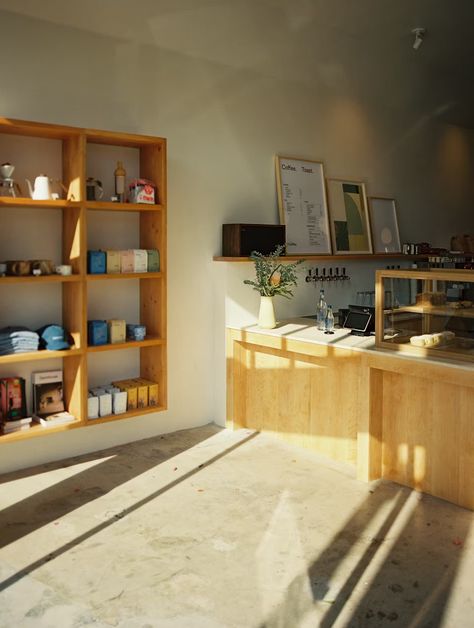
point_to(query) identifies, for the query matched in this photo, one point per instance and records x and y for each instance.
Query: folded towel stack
(18, 340)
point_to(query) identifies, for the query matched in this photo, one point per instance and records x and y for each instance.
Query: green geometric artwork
(355, 226)
(342, 235)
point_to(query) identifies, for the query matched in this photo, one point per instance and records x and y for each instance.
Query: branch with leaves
(273, 278)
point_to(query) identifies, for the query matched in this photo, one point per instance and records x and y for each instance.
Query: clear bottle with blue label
(321, 312)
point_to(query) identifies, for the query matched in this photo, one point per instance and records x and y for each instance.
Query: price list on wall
(303, 206)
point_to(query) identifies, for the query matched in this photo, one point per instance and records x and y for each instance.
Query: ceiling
(320, 42)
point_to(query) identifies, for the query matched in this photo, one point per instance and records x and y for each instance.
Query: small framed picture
(383, 216)
(350, 227)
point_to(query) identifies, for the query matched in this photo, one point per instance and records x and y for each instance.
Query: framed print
(383, 216)
(350, 228)
(303, 206)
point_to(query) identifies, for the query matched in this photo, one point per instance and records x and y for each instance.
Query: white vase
(266, 315)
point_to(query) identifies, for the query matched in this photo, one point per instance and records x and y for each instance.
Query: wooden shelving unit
(75, 146)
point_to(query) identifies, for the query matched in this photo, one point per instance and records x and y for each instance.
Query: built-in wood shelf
(150, 341)
(125, 276)
(126, 415)
(41, 279)
(42, 354)
(78, 149)
(39, 430)
(121, 207)
(7, 201)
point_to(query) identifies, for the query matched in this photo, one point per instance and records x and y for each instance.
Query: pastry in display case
(426, 312)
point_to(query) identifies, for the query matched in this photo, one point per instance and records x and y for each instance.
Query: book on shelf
(18, 422)
(12, 398)
(16, 426)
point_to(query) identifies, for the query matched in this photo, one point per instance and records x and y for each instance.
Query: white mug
(64, 269)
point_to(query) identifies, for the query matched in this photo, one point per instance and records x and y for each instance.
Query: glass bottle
(329, 327)
(120, 174)
(321, 312)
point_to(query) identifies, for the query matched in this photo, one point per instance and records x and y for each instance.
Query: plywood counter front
(389, 415)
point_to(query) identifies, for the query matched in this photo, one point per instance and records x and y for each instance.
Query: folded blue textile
(18, 340)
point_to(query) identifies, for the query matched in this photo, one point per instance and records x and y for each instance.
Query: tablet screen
(357, 320)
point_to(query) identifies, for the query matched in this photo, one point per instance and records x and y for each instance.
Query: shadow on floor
(119, 465)
(122, 464)
(411, 587)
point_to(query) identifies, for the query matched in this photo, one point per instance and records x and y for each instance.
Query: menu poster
(303, 206)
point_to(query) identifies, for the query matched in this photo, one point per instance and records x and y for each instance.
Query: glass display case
(426, 312)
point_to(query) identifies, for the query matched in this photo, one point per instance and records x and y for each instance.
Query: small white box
(93, 407)
(140, 261)
(105, 404)
(127, 261)
(119, 402)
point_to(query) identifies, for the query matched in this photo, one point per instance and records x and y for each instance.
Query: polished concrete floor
(207, 528)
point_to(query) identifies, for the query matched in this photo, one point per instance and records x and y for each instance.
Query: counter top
(304, 329)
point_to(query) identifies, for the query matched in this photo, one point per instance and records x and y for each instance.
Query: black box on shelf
(239, 240)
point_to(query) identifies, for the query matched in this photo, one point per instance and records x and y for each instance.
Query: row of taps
(313, 275)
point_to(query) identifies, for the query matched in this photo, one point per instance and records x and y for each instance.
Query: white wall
(224, 125)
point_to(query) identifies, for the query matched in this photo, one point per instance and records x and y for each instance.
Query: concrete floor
(207, 528)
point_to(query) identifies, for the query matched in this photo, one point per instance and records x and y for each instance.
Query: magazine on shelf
(48, 401)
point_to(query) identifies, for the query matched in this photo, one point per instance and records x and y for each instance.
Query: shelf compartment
(41, 279)
(32, 356)
(125, 276)
(38, 430)
(126, 415)
(121, 207)
(150, 341)
(6, 201)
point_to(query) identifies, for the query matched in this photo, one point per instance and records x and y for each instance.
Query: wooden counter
(406, 419)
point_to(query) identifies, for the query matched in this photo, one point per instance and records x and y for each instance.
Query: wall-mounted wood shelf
(121, 207)
(76, 153)
(7, 201)
(41, 279)
(150, 341)
(127, 415)
(124, 276)
(39, 355)
(329, 258)
(39, 430)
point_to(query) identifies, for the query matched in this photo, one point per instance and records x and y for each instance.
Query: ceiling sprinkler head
(419, 36)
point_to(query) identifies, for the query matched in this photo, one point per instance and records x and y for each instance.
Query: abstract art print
(383, 216)
(350, 227)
